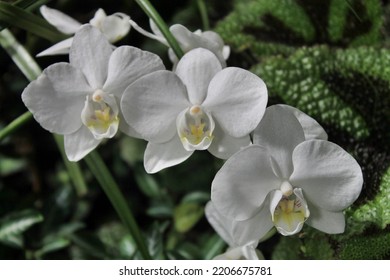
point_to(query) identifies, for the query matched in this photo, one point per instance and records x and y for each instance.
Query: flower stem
(14, 125)
(102, 174)
(203, 14)
(147, 7)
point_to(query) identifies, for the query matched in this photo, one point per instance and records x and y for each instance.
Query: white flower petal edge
(55, 111)
(280, 132)
(90, 52)
(196, 71)
(79, 144)
(247, 252)
(237, 99)
(331, 178)
(59, 20)
(311, 128)
(152, 103)
(241, 186)
(62, 47)
(162, 155)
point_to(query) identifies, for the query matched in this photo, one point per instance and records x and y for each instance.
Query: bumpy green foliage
(276, 26)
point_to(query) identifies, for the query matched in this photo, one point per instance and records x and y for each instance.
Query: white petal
(68, 80)
(237, 99)
(91, 52)
(62, 47)
(115, 27)
(221, 224)
(330, 177)
(224, 145)
(79, 144)
(54, 111)
(191, 40)
(98, 18)
(152, 103)
(196, 69)
(160, 156)
(126, 65)
(280, 132)
(61, 21)
(326, 221)
(242, 184)
(311, 128)
(155, 28)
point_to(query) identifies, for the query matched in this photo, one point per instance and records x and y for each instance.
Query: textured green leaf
(13, 225)
(366, 247)
(271, 27)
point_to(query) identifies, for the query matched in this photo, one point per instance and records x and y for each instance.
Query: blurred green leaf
(186, 215)
(9, 165)
(14, 224)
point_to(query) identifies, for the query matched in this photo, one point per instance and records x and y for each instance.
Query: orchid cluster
(280, 173)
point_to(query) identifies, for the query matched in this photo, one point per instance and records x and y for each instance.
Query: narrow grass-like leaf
(14, 16)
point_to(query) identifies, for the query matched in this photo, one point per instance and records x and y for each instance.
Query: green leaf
(14, 16)
(9, 165)
(14, 224)
(366, 247)
(186, 215)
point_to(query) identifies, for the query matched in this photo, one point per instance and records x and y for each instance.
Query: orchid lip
(100, 114)
(195, 128)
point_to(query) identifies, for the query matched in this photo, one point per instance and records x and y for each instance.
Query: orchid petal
(224, 145)
(68, 80)
(196, 69)
(62, 47)
(59, 20)
(237, 99)
(79, 144)
(91, 52)
(126, 65)
(240, 187)
(280, 132)
(162, 155)
(330, 177)
(152, 103)
(54, 111)
(326, 221)
(98, 18)
(221, 224)
(115, 27)
(191, 40)
(311, 128)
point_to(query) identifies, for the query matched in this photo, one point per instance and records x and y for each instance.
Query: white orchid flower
(80, 99)
(188, 40)
(200, 106)
(241, 236)
(289, 176)
(114, 27)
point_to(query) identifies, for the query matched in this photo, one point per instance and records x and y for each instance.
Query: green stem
(203, 14)
(102, 174)
(15, 125)
(147, 7)
(73, 168)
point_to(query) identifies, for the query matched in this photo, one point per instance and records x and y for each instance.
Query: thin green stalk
(102, 174)
(203, 14)
(19, 55)
(73, 168)
(147, 7)
(15, 125)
